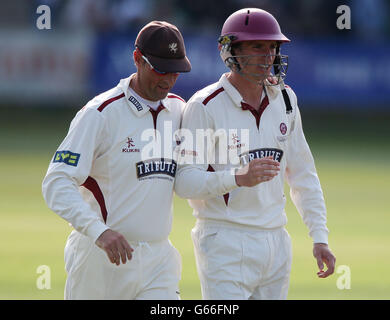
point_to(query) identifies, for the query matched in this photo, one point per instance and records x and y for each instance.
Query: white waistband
(233, 225)
(148, 244)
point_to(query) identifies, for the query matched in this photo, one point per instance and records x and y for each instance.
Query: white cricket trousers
(241, 263)
(153, 273)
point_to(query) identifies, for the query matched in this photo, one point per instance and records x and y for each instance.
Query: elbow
(191, 184)
(56, 190)
(47, 191)
(181, 190)
(187, 190)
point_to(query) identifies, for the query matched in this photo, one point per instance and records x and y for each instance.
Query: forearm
(63, 197)
(306, 194)
(193, 182)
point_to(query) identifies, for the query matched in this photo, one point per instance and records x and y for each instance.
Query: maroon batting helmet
(251, 24)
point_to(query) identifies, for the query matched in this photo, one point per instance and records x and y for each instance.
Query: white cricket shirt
(114, 170)
(215, 195)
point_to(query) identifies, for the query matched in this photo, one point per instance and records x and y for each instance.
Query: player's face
(257, 58)
(155, 86)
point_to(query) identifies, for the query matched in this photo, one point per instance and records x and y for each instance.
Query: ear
(137, 56)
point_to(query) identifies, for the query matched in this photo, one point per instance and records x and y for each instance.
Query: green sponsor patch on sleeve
(67, 157)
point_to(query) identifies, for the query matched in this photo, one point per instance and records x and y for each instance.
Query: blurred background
(89, 46)
(341, 78)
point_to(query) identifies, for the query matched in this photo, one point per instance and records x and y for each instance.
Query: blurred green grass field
(352, 159)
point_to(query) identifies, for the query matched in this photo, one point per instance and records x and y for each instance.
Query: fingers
(126, 251)
(267, 160)
(265, 163)
(323, 255)
(116, 247)
(123, 252)
(330, 263)
(324, 274)
(114, 257)
(320, 273)
(257, 171)
(265, 169)
(320, 264)
(264, 178)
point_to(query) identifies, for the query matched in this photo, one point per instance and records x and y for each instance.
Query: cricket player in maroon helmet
(242, 248)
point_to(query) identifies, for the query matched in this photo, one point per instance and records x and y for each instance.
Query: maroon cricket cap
(163, 45)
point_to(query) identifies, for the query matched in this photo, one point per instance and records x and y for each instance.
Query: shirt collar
(165, 104)
(230, 90)
(235, 95)
(138, 107)
(271, 90)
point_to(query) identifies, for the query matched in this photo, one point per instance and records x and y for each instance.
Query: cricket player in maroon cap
(118, 198)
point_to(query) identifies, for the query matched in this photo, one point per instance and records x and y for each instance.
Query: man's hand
(257, 171)
(323, 255)
(115, 245)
